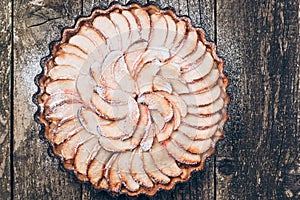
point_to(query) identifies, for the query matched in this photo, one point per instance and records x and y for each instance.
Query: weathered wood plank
(36, 174)
(5, 92)
(260, 45)
(232, 49)
(207, 18)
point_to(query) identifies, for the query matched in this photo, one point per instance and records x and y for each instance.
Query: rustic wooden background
(259, 155)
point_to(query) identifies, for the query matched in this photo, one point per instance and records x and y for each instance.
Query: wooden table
(259, 155)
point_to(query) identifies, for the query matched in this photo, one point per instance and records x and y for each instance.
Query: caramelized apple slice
(176, 116)
(109, 61)
(63, 72)
(169, 71)
(129, 124)
(107, 70)
(122, 25)
(109, 31)
(124, 163)
(202, 98)
(97, 166)
(113, 112)
(198, 134)
(144, 22)
(159, 31)
(161, 84)
(85, 87)
(159, 103)
(70, 59)
(160, 54)
(61, 86)
(189, 45)
(163, 161)
(84, 154)
(152, 170)
(146, 76)
(90, 120)
(180, 34)
(177, 102)
(193, 146)
(138, 171)
(199, 121)
(205, 82)
(171, 31)
(112, 175)
(84, 43)
(116, 145)
(111, 131)
(134, 55)
(70, 146)
(58, 99)
(199, 70)
(133, 26)
(195, 56)
(181, 155)
(157, 119)
(209, 109)
(65, 130)
(166, 131)
(143, 125)
(123, 76)
(178, 86)
(148, 138)
(66, 110)
(67, 48)
(97, 39)
(113, 96)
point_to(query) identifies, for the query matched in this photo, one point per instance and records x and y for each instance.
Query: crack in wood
(44, 22)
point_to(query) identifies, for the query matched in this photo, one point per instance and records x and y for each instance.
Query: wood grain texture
(5, 94)
(259, 155)
(260, 45)
(36, 174)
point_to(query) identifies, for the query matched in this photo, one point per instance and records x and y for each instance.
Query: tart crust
(60, 119)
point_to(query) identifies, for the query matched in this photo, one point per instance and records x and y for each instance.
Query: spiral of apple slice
(133, 99)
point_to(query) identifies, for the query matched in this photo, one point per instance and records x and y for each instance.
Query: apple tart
(133, 99)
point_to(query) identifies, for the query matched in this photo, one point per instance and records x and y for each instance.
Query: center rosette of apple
(131, 98)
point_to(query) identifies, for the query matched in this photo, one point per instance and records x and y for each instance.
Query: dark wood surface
(5, 96)
(259, 155)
